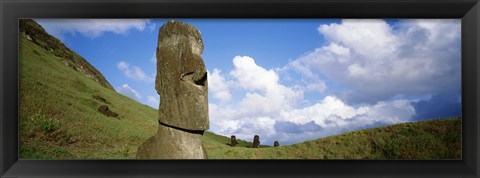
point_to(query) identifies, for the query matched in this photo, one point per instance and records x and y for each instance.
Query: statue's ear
(158, 80)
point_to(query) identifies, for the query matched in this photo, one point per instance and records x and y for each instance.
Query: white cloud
(153, 101)
(93, 28)
(218, 86)
(329, 107)
(375, 66)
(264, 92)
(128, 91)
(262, 97)
(333, 112)
(368, 37)
(375, 61)
(264, 104)
(252, 77)
(317, 87)
(134, 72)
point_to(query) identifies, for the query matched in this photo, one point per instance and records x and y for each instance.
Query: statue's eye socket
(198, 78)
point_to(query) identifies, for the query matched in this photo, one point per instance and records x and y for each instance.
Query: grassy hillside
(35, 33)
(59, 104)
(434, 139)
(59, 119)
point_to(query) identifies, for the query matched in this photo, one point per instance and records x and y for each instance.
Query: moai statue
(233, 141)
(275, 144)
(181, 82)
(256, 141)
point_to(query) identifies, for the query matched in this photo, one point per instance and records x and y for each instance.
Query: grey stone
(107, 112)
(181, 78)
(182, 85)
(171, 143)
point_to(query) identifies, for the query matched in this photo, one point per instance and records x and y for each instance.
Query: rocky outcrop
(35, 33)
(181, 82)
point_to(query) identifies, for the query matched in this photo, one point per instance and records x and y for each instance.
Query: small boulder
(107, 112)
(276, 144)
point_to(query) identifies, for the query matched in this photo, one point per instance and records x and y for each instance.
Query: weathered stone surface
(275, 144)
(256, 141)
(233, 141)
(182, 84)
(107, 112)
(181, 78)
(171, 143)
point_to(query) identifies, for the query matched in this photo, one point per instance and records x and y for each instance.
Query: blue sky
(291, 80)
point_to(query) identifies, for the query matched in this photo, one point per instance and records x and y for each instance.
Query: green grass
(59, 120)
(39, 36)
(59, 117)
(434, 139)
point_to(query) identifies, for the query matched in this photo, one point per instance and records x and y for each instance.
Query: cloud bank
(388, 74)
(93, 28)
(376, 61)
(269, 109)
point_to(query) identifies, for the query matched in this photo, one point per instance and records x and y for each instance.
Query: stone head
(181, 79)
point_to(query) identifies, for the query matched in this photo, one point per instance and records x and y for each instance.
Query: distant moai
(256, 141)
(275, 144)
(181, 82)
(233, 141)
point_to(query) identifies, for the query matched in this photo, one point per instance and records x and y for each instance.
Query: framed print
(209, 88)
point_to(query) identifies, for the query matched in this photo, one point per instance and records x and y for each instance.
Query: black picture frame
(11, 11)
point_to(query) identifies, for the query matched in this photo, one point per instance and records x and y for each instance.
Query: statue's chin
(171, 143)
